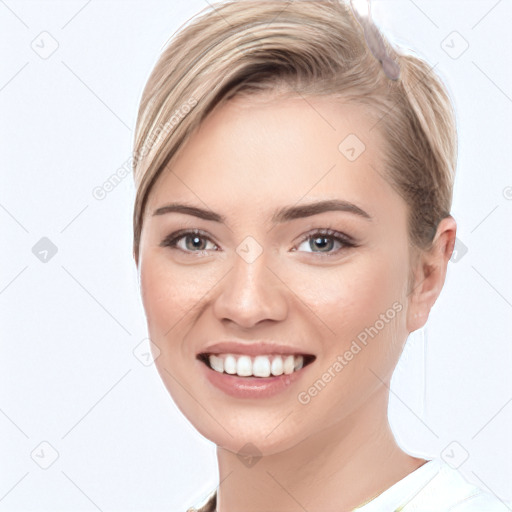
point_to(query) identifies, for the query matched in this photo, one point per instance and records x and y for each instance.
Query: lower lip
(251, 387)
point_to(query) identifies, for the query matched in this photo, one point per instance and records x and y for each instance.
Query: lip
(251, 387)
(252, 348)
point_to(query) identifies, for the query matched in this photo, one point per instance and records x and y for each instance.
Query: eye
(196, 241)
(189, 240)
(326, 240)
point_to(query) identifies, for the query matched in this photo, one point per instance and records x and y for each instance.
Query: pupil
(195, 240)
(316, 241)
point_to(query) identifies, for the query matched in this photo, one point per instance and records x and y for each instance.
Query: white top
(433, 487)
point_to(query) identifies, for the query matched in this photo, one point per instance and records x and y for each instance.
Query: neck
(338, 468)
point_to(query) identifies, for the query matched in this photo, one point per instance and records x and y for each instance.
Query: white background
(69, 326)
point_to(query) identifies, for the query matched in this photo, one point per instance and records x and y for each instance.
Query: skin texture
(250, 157)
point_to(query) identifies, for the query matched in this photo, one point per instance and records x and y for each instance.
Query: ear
(429, 273)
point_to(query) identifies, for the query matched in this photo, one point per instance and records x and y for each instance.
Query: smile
(244, 376)
(256, 366)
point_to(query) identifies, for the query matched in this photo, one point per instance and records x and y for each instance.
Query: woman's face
(259, 271)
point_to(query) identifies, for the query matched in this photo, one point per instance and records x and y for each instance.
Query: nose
(251, 293)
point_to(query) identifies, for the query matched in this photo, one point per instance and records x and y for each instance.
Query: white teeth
(244, 366)
(259, 366)
(229, 364)
(288, 365)
(277, 366)
(217, 363)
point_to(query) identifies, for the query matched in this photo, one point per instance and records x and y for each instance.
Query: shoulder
(479, 501)
(450, 491)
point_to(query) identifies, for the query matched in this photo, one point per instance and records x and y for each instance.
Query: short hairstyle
(304, 47)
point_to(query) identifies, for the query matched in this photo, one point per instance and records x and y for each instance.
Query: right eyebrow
(190, 210)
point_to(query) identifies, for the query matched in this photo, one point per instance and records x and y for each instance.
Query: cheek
(168, 294)
(173, 295)
(349, 297)
(350, 300)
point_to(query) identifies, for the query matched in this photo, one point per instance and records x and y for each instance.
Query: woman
(292, 226)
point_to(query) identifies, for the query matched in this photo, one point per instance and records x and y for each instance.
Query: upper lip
(251, 348)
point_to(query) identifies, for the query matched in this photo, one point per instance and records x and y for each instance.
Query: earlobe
(422, 295)
(430, 274)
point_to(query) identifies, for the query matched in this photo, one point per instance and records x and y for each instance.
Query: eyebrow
(281, 215)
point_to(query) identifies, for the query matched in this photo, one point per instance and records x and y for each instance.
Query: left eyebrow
(281, 215)
(307, 210)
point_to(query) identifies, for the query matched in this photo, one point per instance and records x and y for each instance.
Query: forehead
(253, 150)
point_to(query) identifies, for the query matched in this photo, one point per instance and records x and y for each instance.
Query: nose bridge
(251, 292)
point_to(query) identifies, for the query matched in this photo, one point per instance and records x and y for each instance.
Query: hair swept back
(302, 47)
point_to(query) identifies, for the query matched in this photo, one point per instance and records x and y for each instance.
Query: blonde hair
(307, 48)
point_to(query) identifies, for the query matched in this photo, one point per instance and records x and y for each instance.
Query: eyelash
(337, 236)
(172, 240)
